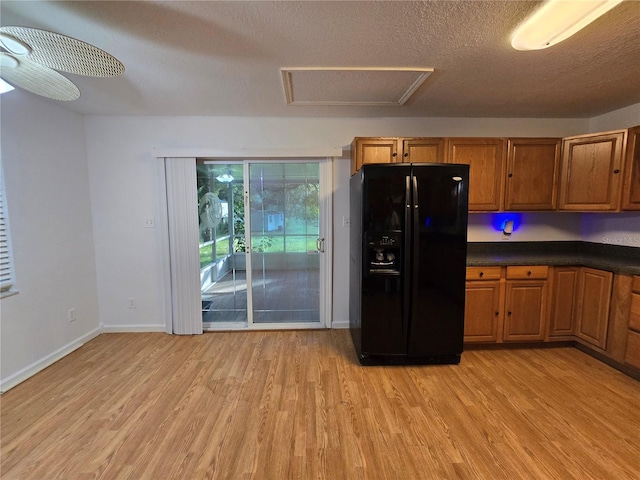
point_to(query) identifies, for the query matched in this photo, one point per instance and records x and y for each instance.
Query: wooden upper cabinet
(393, 150)
(532, 173)
(591, 177)
(372, 150)
(422, 150)
(486, 160)
(631, 189)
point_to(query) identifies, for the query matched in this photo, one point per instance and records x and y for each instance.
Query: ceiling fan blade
(40, 80)
(66, 54)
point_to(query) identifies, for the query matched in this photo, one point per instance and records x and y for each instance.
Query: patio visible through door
(261, 245)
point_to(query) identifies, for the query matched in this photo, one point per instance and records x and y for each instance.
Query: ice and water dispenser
(384, 252)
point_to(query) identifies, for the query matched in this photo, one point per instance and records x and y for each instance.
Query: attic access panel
(351, 86)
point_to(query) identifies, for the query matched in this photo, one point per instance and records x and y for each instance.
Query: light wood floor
(295, 405)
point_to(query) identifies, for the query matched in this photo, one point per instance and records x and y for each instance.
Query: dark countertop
(614, 258)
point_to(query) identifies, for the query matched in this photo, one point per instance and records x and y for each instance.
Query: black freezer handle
(407, 258)
(415, 247)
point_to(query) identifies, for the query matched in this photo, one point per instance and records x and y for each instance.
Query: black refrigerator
(408, 260)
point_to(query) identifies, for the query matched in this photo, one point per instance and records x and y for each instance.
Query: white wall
(621, 118)
(126, 187)
(614, 228)
(47, 188)
(529, 227)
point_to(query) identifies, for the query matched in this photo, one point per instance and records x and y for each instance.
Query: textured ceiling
(225, 58)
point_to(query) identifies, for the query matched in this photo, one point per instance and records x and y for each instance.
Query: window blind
(6, 271)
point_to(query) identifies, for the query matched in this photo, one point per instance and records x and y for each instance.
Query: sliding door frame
(326, 257)
(324, 156)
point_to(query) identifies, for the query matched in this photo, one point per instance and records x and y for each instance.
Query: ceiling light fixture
(225, 178)
(557, 20)
(5, 87)
(13, 45)
(7, 61)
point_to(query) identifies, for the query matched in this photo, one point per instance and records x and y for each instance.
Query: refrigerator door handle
(406, 278)
(415, 229)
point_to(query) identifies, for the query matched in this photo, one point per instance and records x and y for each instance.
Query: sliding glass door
(285, 242)
(261, 244)
(223, 279)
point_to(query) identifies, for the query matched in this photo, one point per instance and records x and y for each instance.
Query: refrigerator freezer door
(439, 260)
(384, 313)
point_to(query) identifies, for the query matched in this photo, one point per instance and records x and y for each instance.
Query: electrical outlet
(149, 222)
(72, 314)
(132, 302)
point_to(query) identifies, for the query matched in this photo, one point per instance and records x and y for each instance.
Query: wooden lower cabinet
(482, 318)
(525, 303)
(525, 310)
(594, 299)
(483, 305)
(505, 304)
(563, 302)
(632, 355)
(531, 304)
(632, 351)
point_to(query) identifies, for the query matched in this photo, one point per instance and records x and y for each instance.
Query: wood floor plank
(296, 405)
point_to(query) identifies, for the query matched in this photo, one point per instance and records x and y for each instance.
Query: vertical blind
(6, 275)
(182, 210)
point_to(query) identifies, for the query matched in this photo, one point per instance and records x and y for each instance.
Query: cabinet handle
(497, 313)
(616, 171)
(406, 154)
(529, 273)
(510, 175)
(394, 154)
(481, 274)
(509, 313)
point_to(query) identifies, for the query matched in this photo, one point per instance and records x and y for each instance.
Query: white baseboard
(340, 324)
(29, 371)
(133, 328)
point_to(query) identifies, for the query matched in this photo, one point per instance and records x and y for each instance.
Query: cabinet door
(563, 302)
(372, 150)
(422, 150)
(631, 190)
(482, 311)
(632, 349)
(593, 306)
(525, 310)
(591, 177)
(532, 173)
(634, 310)
(486, 159)
(632, 354)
